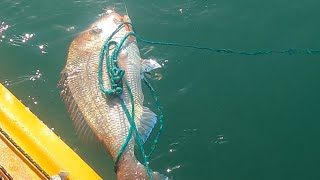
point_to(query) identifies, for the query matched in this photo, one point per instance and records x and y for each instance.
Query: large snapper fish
(89, 108)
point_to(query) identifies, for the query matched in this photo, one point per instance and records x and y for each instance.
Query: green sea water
(227, 116)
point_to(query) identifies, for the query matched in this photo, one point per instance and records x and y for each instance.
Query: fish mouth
(109, 22)
(117, 18)
(105, 24)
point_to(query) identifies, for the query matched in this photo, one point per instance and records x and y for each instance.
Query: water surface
(228, 117)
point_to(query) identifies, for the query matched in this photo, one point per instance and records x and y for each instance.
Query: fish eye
(96, 30)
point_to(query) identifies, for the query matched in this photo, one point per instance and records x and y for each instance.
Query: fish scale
(96, 107)
(104, 114)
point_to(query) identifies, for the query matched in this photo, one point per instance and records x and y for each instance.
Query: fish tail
(132, 169)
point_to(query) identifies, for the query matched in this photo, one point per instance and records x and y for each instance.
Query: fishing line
(116, 75)
(288, 51)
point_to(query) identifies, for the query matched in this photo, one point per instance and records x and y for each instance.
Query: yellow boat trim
(37, 141)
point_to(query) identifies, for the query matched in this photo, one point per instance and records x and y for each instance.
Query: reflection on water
(19, 39)
(3, 28)
(35, 76)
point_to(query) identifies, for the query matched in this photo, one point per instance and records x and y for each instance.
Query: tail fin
(132, 169)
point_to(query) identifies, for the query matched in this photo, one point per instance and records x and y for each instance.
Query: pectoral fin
(148, 65)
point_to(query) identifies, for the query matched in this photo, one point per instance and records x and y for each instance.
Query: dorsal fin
(82, 128)
(147, 122)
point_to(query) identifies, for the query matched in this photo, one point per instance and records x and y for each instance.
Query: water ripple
(35, 76)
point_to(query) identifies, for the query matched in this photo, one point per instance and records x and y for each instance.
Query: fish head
(105, 26)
